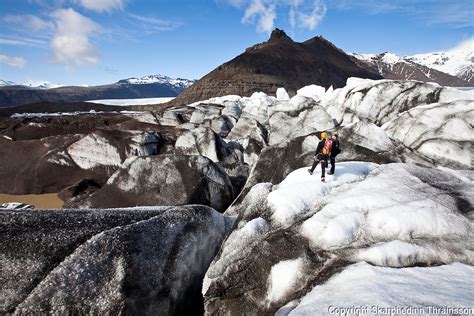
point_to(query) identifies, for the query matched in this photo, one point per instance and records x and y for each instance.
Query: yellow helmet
(323, 135)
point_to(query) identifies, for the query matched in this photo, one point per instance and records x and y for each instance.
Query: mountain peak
(278, 35)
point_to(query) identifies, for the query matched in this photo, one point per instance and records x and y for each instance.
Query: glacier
(398, 208)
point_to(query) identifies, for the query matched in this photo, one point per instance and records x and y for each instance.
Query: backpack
(327, 147)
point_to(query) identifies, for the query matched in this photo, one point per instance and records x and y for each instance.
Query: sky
(92, 42)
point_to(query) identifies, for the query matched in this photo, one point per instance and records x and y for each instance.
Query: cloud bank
(18, 62)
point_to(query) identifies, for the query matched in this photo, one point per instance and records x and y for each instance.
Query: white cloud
(466, 45)
(18, 62)
(263, 14)
(71, 40)
(311, 20)
(102, 5)
(293, 12)
(32, 22)
(22, 41)
(304, 14)
(153, 24)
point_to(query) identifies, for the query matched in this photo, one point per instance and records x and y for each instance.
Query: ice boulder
(441, 132)
(298, 236)
(379, 101)
(251, 135)
(165, 180)
(94, 150)
(312, 91)
(115, 261)
(285, 125)
(205, 142)
(282, 95)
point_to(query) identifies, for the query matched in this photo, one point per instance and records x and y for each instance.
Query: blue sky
(80, 42)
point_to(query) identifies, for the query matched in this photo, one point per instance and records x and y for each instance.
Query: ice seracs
(401, 198)
(390, 215)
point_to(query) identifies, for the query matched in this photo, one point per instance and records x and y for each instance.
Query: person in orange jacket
(322, 154)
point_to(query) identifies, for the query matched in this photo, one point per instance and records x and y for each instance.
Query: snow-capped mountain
(154, 86)
(178, 82)
(457, 62)
(34, 84)
(4, 83)
(41, 85)
(391, 66)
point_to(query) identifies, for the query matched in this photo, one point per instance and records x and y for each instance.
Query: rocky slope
(279, 62)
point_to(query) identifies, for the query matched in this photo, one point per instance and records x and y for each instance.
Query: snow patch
(397, 253)
(364, 285)
(388, 204)
(60, 158)
(284, 276)
(300, 191)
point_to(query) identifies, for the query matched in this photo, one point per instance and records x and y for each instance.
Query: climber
(322, 154)
(335, 150)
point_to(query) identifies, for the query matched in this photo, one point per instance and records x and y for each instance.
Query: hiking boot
(323, 179)
(310, 172)
(330, 173)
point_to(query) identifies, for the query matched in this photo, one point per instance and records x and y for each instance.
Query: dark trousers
(323, 166)
(333, 164)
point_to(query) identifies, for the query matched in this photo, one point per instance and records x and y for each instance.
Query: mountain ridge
(450, 68)
(146, 87)
(278, 62)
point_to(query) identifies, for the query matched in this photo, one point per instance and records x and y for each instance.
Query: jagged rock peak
(278, 34)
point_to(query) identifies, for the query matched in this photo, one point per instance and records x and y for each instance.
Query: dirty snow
(249, 233)
(380, 288)
(93, 151)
